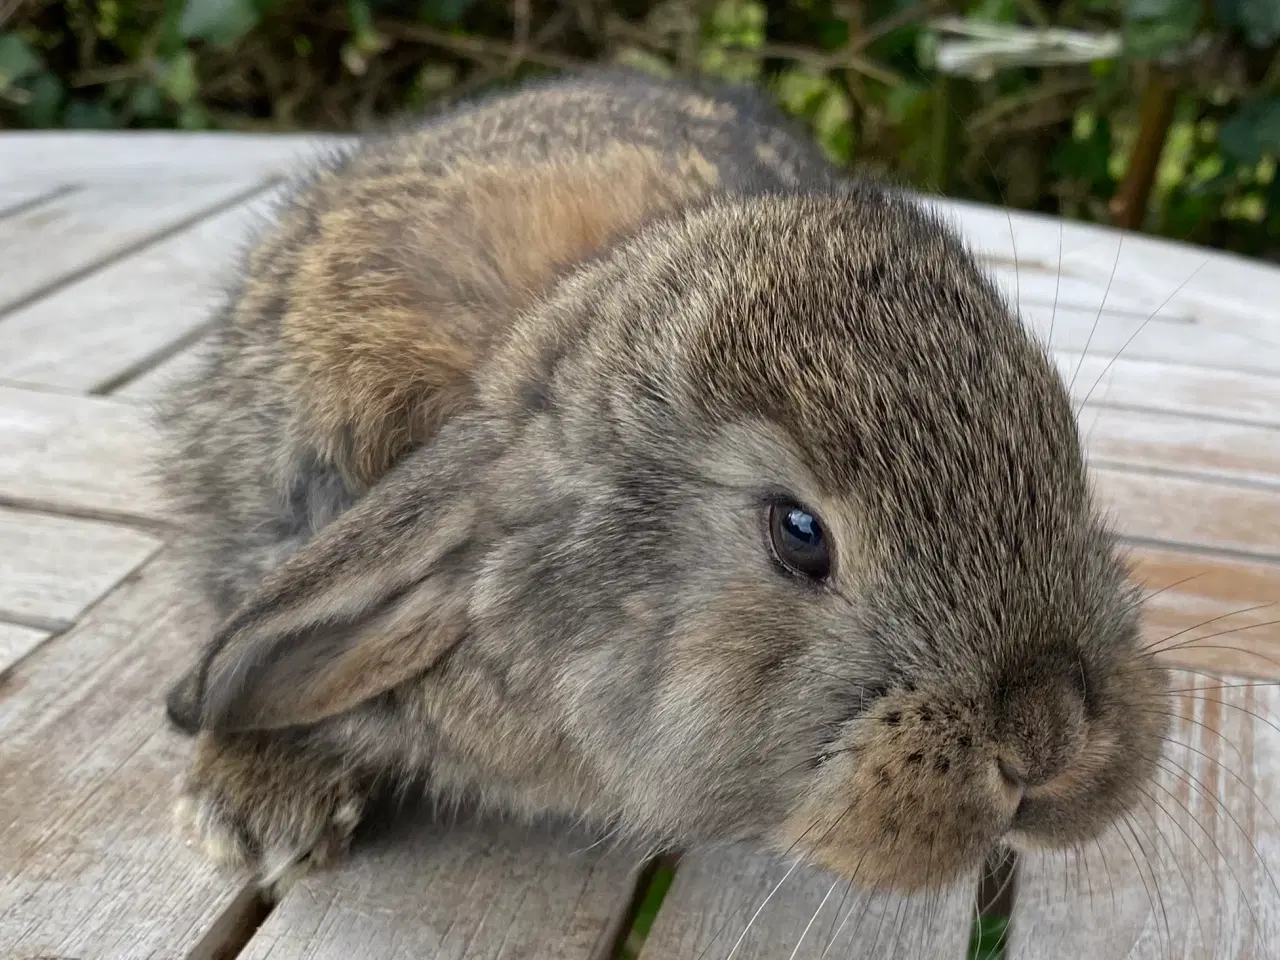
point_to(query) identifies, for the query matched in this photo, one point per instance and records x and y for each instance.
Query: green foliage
(862, 76)
(987, 941)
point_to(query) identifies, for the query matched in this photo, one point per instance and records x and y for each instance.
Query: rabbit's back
(384, 275)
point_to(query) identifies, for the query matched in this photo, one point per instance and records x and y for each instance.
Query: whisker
(805, 932)
(1248, 685)
(1107, 867)
(1138, 865)
(866, 902)
(1156, 593)
(791, 870)
(1182, 874)
(1235, 706)
(839, 907)
(1199, 723)
(1210, 795)
(1226, 769)
(785, 854)
(1222, 856)
(1057, 284)
(1205, 623)
(1135, 333)
(1096, 319)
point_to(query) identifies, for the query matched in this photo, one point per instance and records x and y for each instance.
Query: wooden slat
(1183, 511)
(1222, 290)
(1194, 874)
(76, 454)
(51, 568)
(1227, 306)
(18, 641)
(1035, 287)
(1147, 319)
(707, 915)
(476, 891)
(1211, 613)
(1172, 387)
(1210, 449)
(90, 865)
(86, 335)
(55, 241)
(1074, 329)
(18, 196)
(100, 157)
(148, 387)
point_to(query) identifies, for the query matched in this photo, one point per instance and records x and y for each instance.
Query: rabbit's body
(598, 449)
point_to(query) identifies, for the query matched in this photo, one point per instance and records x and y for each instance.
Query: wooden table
(110, 248)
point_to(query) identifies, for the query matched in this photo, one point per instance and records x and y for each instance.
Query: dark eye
(799, 541)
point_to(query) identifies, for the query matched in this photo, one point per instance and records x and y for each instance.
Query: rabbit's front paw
(250, 803)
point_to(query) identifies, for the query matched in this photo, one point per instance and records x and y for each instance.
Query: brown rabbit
(598, 449)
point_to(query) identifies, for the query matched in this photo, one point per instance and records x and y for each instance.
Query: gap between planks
(96, 261)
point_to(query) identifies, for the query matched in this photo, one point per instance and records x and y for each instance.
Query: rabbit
(597, 448)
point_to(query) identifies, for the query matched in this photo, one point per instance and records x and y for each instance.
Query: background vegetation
(1162, 115)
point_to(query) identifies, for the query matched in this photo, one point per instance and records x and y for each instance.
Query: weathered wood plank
(1227, 306)
(16, 642)
(708, 915)
(148, 387)
(1193, 874)
(1172, 387)
(90, 865)
(1213, 449)
(76, 454)
(477, 891)
(1182, 511)
(99, 157)
(18, 196)
(88, 334)
(1136, 338)
(55, 241)
(52, 568)
(1221, 289)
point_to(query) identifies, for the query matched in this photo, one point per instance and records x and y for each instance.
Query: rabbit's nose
(1041, 732)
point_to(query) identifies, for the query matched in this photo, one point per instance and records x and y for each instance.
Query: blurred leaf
(1258, 20)
(178, 79)
(1086, 156)
(996, 11)
(800, 89)
(17, 60)
(832, 33)
(82, 115)
(639, 59)
(46, 92)
(365, 37)
(988, 938)
(444, 12)
(1252, 132)
(1157, 28)
(220, 22)
(906, 102)
(194, 117)
(146, 101)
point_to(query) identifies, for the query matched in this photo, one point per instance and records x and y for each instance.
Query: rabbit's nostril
(1010, 774)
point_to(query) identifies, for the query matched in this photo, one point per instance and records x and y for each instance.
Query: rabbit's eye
(799, 542)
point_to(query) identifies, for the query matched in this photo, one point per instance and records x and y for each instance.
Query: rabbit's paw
(251, 804)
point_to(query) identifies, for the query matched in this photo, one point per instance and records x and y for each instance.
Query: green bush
(1159, 114)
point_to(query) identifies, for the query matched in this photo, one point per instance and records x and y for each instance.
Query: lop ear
(373, 600)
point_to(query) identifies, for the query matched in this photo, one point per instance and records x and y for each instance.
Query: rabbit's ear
(375, 599)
